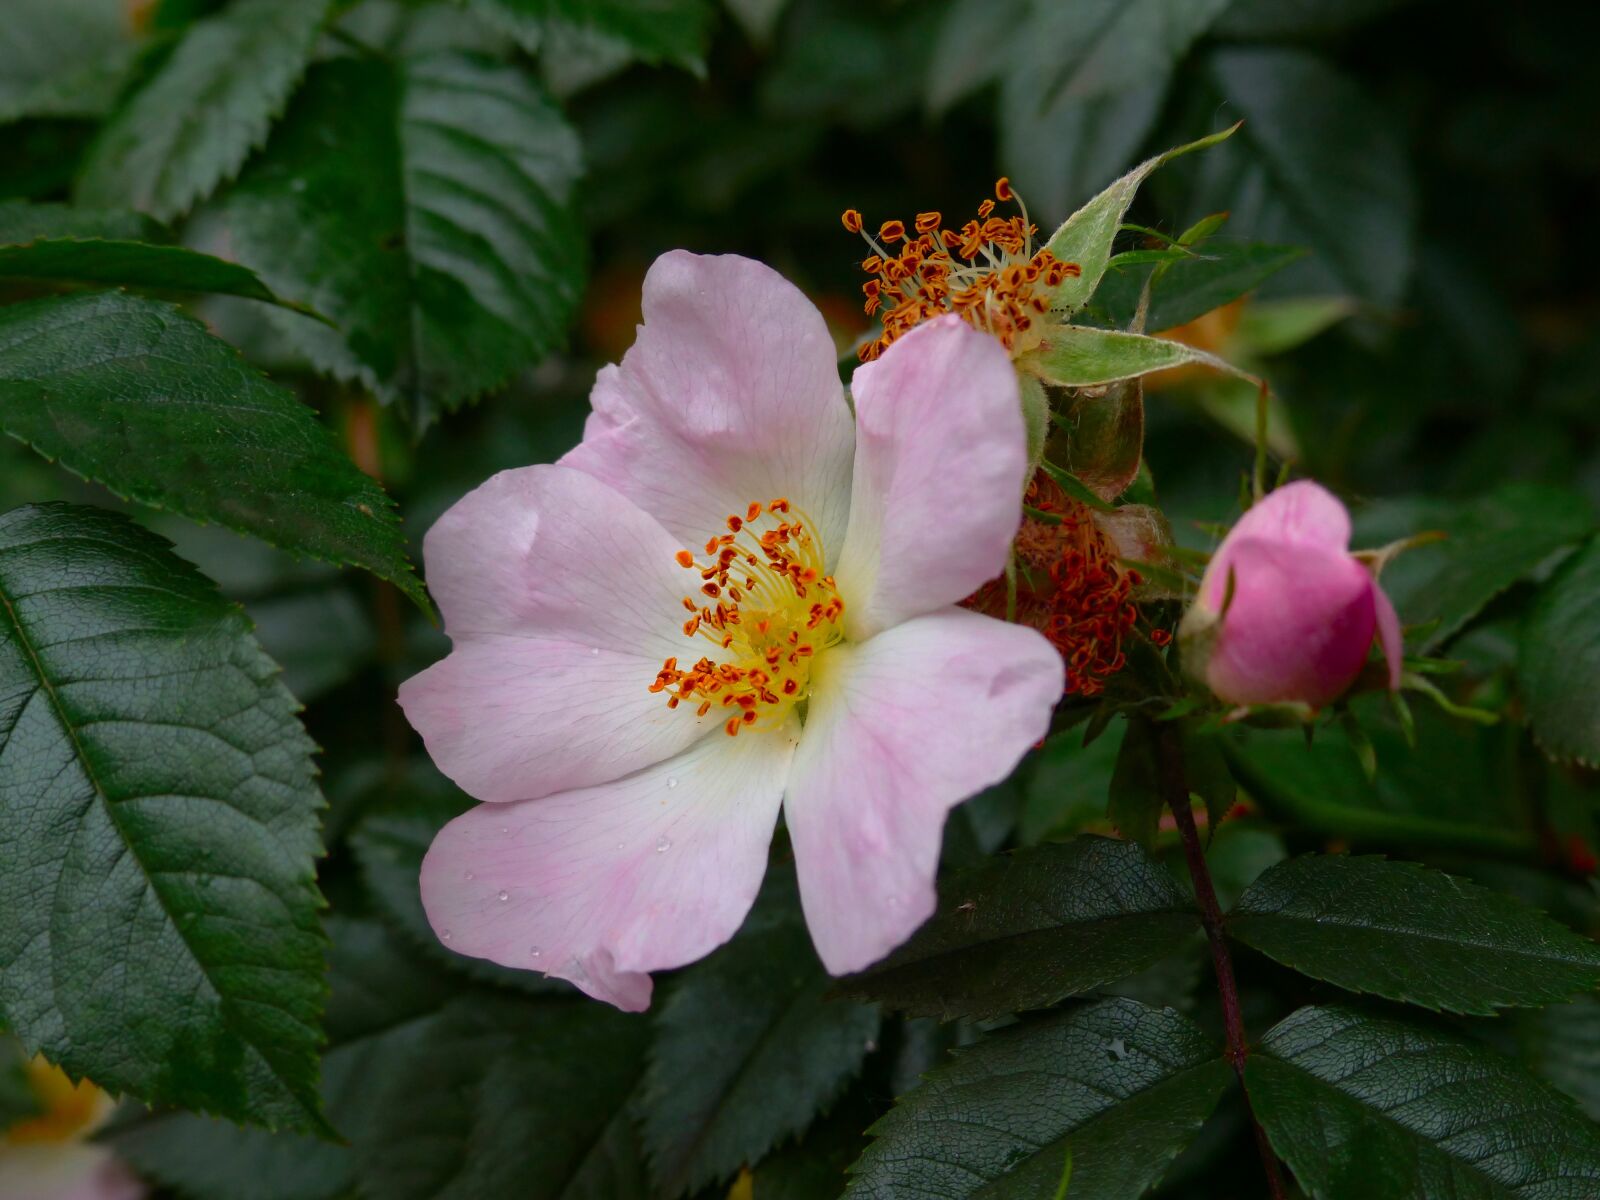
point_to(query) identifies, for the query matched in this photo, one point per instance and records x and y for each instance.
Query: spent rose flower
(1285, 613)
(731, 597)
(48, 1157)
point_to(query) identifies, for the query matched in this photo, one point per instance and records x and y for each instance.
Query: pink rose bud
(1285, 612)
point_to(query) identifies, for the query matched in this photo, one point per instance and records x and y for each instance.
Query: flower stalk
(1175, 791)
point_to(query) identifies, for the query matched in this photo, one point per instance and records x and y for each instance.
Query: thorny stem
(1175, 790)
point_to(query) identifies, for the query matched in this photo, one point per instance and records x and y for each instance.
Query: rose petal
(1389, 635)
(552, 553)
(510, 718)
(1300, 513)
(1298, 628)
(563, 599)
(601, 886)
(731, 394)
(901, 729)
(65, 1171)
(937, 492)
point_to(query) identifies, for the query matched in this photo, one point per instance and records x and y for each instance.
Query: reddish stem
(1175, 790)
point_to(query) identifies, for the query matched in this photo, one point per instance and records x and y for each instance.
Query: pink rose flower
(1303, 610)
(730, 598)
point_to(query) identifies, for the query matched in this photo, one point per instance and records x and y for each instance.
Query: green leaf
(1069, 784)
(654, 31)
(18, 1101)
(814, 1167)
(758, 18)
(422, 205)
(389, 849)
(1086, 236)
(194, 124)
(975, 45)
(1118, 1086)
(129, 264)
(1490, 543)
(1030, 928)
(1299, 18)
(1081, 356)
(1315, 165)
(136, 395)
(1192, 287)
(380, 1013)
(1135, 797)
(1561, 1044)
(1105, 46)
(511, 1098)
(64, 58)
(1410, 933)
(159, 807)
(1559, 660)
(747, 1051)
(23, 222)
(1057, 156)
(1382, 1109)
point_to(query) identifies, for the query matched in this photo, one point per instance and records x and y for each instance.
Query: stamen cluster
(1071, 587)
(765, 599)
(988, 272)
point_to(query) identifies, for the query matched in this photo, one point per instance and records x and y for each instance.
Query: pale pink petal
(731, 394)
(552, 553)
(940, 463)
(602, 885)
(901, 729)
(65, 1171)
(1303, 511)
(1298, 627)
(563, 599)
(1389, 635)
(515, 718)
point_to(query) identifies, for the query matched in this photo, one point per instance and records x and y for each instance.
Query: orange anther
(927, 222)
(1002, 189)
(852, 220)
(735, 524)
(753, 511)
(892, 231)
(685, 559)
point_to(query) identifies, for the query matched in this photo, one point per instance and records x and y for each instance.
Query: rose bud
(1286, 614)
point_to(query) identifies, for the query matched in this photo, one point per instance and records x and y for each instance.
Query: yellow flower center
(69, 1109)
(768, 608)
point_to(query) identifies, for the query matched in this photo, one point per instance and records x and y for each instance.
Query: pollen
(988, 272)
(772, 609)
(1071, 587)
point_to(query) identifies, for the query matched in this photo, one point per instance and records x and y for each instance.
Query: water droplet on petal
(663, 845)
(672, 781)
(444, 935)
(504, 829)
(469, 876)
(894, 901)
(595, 650)
(619, 845)
(535, 952)
(502, 894)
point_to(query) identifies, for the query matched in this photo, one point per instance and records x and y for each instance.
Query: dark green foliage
(1374, 1107)
(17, 1099)
(206, 109)
(1559, 660)
(1489, 544)
(1408, 933)
(135, 394)
(1119, 1086)
(748, 1049)
(1033, 927)
(128, 264)
(423, 206)
(157, 786)
(1220, 273)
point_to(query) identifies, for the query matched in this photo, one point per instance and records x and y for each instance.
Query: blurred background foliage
(1437, 344)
